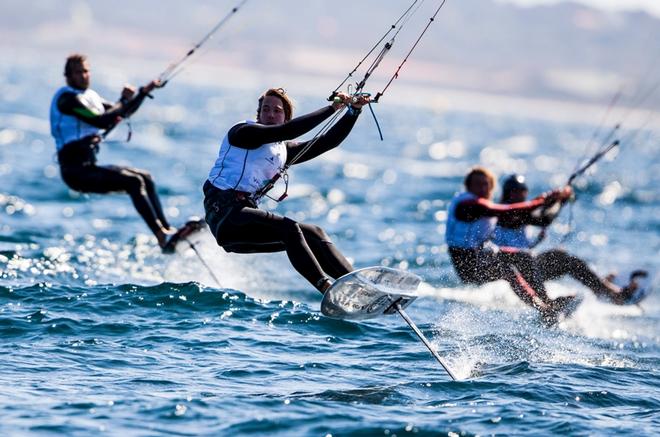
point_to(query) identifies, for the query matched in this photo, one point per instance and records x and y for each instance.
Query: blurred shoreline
(563, 62)
(210, 71)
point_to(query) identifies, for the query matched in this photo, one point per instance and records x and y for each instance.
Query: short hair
(481, 171)
(281, 94)
(71, 60)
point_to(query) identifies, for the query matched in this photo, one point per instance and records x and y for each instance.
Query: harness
(219, 204)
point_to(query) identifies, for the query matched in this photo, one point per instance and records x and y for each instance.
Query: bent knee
(134, 183)
(292, 228)
(147, 178)
(315, 231)
(319, 232)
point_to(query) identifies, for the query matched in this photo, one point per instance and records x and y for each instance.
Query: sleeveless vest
(467, 235)
(246, 170)
(68, 128)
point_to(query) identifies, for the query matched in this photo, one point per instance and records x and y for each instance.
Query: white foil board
(369, 292)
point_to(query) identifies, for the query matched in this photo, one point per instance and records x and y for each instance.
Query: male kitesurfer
(511, 233)
(251, 154)
(78, 116)
(470, 223)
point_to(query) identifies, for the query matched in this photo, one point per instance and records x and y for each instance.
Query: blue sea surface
(101, 333)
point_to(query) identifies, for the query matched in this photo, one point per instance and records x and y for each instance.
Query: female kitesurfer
(511, 233)
(78, 115)
(252, 154)
(470, 223)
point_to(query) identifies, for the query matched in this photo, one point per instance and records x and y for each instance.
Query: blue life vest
(467, 235)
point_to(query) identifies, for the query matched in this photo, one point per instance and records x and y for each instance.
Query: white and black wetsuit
(250, 155)
(77, 118)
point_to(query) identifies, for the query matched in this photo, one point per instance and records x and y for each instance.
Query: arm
(517, 219)
(544, 215)
(325, 142)
(131, 102)
(252, 136)
(471, 210)
(73, 104)
(519, 213)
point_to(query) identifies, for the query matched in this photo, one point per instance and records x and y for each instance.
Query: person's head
(480, 181)
(514, 189)
(76, 71)
(274, 107)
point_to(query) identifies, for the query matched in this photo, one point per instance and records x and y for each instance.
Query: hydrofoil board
(369, 292)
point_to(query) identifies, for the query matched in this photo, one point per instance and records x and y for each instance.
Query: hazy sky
(515, 54)
(652, 6)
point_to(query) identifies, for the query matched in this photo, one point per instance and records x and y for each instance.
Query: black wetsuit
(239, 226)
(554, 263)
(77, 160)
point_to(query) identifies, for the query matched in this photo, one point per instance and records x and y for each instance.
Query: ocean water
(102, 334)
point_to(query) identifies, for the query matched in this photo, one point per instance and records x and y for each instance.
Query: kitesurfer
(253, 153)
(78, 117)
(511, 233)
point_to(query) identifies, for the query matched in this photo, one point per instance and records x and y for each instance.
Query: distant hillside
(563, 51)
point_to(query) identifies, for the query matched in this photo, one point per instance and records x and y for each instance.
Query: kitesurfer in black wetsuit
(510, 234)
(251, 154)
(78, 115)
